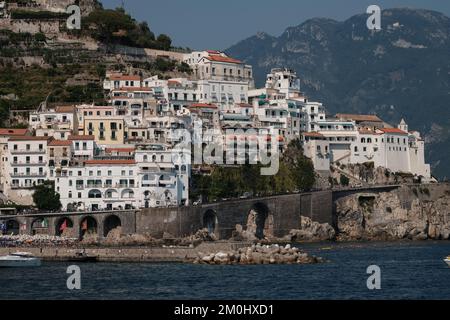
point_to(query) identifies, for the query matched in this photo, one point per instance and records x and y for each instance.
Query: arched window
(94, 194)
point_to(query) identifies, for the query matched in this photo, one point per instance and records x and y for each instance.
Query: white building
(58, 123)
(26, 168)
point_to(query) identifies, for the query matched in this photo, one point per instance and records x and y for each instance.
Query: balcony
(25, 164)
(38, 151)
(29, 175)
(167, 181)
(95, 185)
(22, 186)
(125, 185)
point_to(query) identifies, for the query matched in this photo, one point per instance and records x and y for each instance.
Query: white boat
(447, 260)
(19, 260)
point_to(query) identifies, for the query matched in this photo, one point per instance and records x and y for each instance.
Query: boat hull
(83, 259)
(447, 261)
(22, 263)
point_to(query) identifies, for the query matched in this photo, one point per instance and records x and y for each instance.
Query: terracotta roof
(359, 117)
(81, 137)
(29, 138)
(203, 105)
(213, 51)
(60, 143)
(393, 130)
(110, 162)
(13, 132)
(313, 134)
(129, 78)
(365, 131)
(223, 59)
(65, 109)
(109, 150)
(94, 107)
(134, 89)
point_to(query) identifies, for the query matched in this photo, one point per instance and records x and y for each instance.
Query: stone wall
(31, 26)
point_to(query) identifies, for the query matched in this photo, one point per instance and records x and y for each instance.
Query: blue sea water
(410, 270)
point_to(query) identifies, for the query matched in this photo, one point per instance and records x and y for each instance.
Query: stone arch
(62, 224)
(111, 222)
(88, 225)
(211, 222)
(39, 226)
(12, 227)
(257, 220)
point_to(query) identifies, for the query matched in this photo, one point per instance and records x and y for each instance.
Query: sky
(218, 24)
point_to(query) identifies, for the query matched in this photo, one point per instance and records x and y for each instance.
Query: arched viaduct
(275, 215)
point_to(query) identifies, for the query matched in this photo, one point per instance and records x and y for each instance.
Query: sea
(407, 270)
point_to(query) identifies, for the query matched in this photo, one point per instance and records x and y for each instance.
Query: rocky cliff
(411, 212)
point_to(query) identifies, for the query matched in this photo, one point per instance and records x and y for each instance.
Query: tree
(345, 181)
(46, 198)
(164, 42)
(301, 167)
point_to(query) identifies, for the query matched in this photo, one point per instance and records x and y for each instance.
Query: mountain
(401, 71)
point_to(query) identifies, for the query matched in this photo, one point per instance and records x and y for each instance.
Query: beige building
(106, 130)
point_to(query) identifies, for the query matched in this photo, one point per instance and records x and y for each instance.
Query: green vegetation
(296, 173)
(33, 84)
(344, 180)
(117, 27)
(46, 198)
(37, 15)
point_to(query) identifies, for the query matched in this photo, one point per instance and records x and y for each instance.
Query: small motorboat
(19, 260)
(447, 260)
(83, 257)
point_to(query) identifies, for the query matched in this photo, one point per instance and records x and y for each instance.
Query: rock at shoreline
(311, 231)
(36, 240)
(258, 254)
(414, 213)
(239, 234)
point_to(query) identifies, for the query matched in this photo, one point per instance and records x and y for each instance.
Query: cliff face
(411, 212)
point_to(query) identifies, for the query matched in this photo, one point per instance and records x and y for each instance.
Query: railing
(40, 151)
(22, 186)
(21, 174)
(20, 163)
